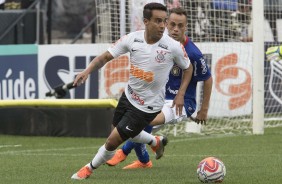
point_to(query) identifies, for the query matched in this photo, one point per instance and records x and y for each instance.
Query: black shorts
(129, 120)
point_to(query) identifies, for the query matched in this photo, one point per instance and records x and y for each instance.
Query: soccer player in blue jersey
(177, 25)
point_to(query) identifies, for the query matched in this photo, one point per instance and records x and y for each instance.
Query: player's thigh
(159, 120)
(120, 110)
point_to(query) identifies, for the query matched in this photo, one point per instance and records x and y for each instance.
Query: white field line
(49, 154)
(132, 155)
(46, 150)
(224, 155)
(38, 151)
(203, 138)
(10, 146)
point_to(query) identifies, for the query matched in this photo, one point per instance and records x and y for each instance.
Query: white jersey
(150, 65)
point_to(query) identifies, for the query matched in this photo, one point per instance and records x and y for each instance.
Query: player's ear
(145, 21)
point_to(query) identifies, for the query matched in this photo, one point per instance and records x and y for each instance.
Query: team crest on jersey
(160, 58)
(175, 71)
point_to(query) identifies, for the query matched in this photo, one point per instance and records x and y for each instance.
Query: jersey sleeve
(120, 47)
(181, 57)
(201, 69)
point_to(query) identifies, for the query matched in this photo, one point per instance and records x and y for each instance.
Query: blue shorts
(190, 106)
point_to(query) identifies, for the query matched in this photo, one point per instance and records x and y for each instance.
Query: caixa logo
(18, 77)
(60, 70)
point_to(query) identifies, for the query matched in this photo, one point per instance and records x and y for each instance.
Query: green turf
(38, 160)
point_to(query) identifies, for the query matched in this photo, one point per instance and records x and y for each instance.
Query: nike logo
(133, 50)
(127, 128)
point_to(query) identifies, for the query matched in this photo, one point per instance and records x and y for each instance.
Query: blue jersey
(201, 72)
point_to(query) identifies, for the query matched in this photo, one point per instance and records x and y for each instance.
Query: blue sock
(128, 146)
(148, 129)
(140, 149)
(142, 153)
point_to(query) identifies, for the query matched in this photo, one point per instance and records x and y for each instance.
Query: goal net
(223, 30)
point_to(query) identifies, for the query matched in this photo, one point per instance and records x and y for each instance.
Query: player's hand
(178, 102)
(80, 78)
(274, 53)
(201, 117)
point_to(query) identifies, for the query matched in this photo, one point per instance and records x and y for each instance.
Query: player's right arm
(117, 49)
(97, 63)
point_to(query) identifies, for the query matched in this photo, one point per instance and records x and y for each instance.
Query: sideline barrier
(57, 117)
(110, 103)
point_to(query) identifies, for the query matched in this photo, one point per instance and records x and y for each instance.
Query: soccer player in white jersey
(152, 55)
(176, 28)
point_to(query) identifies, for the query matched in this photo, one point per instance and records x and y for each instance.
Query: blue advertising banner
(18, 72)
(59, 64)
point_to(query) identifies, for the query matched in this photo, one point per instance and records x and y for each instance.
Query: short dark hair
(178, 11)
(147, 11)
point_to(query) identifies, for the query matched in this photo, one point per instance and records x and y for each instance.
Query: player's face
(176, 26)
(156, 25)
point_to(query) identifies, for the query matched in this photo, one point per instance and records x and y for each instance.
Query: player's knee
(112, 143)
(110, 146)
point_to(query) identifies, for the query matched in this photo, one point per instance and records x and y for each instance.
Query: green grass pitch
(38, 160)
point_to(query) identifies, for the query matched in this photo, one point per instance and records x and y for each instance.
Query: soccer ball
(211, 170)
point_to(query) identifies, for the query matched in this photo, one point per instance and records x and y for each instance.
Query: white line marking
(37, 151)
(50, 154)
(45, 150)
(202, 138)
(10, 146)
(166, 155)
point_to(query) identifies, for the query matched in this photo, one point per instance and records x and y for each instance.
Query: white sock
(146, 138)
(101, 157)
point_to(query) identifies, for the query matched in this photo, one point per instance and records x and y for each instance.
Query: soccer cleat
(82, 174)
(137, 165)
(159, 148)
(117, 158)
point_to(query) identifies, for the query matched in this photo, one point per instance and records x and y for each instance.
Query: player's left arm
(202, 114)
